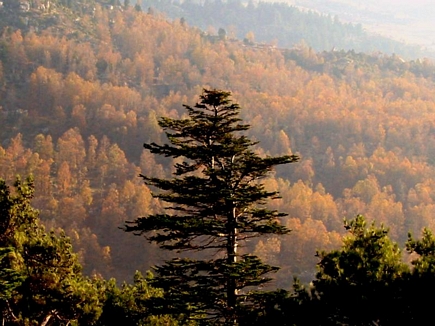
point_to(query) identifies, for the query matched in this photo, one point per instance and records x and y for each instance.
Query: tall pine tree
(216, 202)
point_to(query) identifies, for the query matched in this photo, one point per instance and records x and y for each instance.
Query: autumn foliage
(75, 109)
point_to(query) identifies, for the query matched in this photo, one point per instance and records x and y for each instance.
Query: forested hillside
(81, 92)
(281, 25)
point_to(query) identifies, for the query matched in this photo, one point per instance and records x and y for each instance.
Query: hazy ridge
(82, 89)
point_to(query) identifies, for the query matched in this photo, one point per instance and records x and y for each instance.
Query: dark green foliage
(10, 279)
(363, 283)
(366, 282)
(425, 248)
(267, 308)
(416, 307)
(216, 203)
(41, 278)
(128, 305)
(354, 283)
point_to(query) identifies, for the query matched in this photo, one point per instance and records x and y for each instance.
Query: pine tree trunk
(212, 188)
(231, 259)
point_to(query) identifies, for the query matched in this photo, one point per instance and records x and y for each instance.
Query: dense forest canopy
(282, 25)
(82, 85)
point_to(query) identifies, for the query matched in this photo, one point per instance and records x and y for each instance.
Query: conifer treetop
(215, 201)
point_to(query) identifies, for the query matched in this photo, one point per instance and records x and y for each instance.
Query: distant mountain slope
(280, 24)
(81, 90)
(62, 18)
(407, 21)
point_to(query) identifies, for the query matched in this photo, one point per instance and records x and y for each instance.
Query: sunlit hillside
(80, 95)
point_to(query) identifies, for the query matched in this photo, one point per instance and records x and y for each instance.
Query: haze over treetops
(81, 91)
